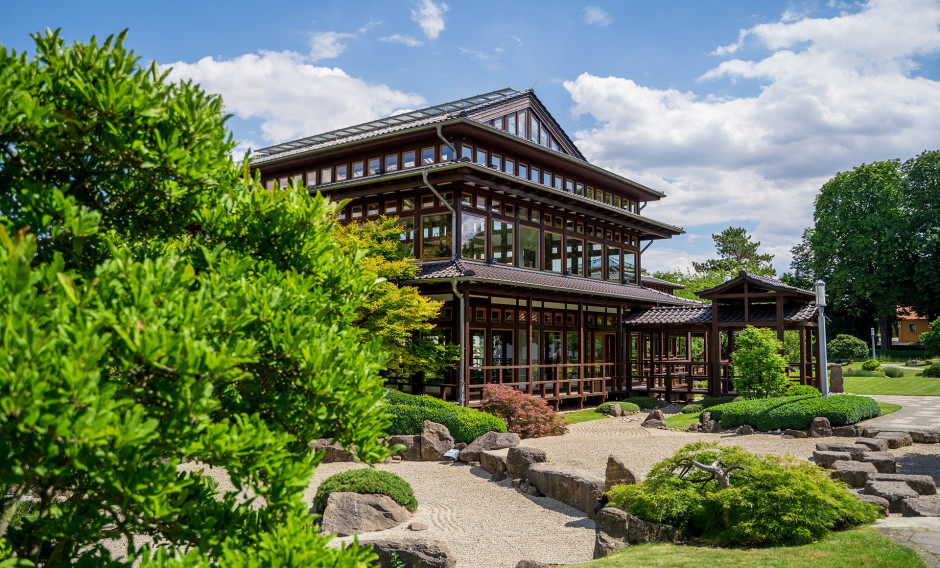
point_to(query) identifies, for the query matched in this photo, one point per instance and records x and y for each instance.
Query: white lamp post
(823, 356)
(874, 356)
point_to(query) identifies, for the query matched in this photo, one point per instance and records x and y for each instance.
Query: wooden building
(535, 252)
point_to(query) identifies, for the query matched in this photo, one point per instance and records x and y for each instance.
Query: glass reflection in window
(574, 257)
(473, 237)
(501, 242)
(436, 240)
(553, 252)
(595, 260)
(613, 264)
(528, 247)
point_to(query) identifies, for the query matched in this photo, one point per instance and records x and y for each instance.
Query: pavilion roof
(757, 280)
(702, 314)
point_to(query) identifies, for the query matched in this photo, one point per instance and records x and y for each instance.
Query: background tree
(758, 367)
(736, 252)
(931, 339)
(922, 202)
(695, 281)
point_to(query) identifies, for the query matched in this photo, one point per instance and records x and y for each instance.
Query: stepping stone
(884, 462)
(895, 439)
(854, 473)
(873, 444)
(877, 501)
(494, 461)
(894, 491)
(922, 484)
(925, 436)
(795, 433)
(826, 459)
(850, 431)
(854, 450)
(920, 507)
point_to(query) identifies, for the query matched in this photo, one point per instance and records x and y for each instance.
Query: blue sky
(738, 110)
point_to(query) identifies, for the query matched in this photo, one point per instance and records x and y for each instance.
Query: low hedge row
(644, 402)
(624, 406)
(407, 414)
(366, 480)
(796, 412)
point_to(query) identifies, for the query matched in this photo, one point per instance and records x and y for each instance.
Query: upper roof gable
(755, 282)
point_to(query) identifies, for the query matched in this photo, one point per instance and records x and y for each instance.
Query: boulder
(820, 428)
(795, 433)
(331, 452)
(895, 439)
(531, 564)
(850, 431)
(894, 491)
(412, 451)
(836, 380)
(578, 489)
(655, 419)
(854, 473)
(520, 458)
(435, 441)
(877, 501)
(873, 445)
(616, 410)
(412, 553)
(854, 450)
(925, 435)
(920, 507)
(494, 461)
(355, 513)
(922, 484)
(417, 526)
(827, 459)
(711, 427)
(694, 428)
(744, 430)
(617, 473)
(884, 462)
(616, 529)
(486, 442)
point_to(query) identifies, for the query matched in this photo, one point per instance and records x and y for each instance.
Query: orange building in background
(910, 325)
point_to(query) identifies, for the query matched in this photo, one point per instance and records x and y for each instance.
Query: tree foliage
(695, 281)
(160, 308)
(931, 339)
(758, 366)
(847, 348)
(736, 252)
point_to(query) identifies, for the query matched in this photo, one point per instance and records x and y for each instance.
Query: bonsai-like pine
(366, 480)
(758, 366)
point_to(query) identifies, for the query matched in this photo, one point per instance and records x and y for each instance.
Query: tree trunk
(886, 332)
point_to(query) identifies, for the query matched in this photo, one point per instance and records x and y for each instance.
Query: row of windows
(526, 125)
(555, 319)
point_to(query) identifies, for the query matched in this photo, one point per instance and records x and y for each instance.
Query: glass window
(427, 201)
(340, 173)
(466, 199)
(282, 182)
(481, 157)
(269, 185)
(534, 176)
(473, 237)
(341, 215)
(608, 198)
(569, 186)
(496, 161)
(448, 197)
(553, 252)
(326, 175)
(408, 159)
(557, 182)
(629, 268)
(613, 264)
(523, 131)
(427, 155)
(407, 235)
(408, 204)
(534, 131)
(595, 260)
(574, 257)
(528, 247)
(544, 139)
(297, 180)
(391, 206)
(372, 210)
(579, 188)
(374, 166)
(391, 163)
(357, 169)
(579, 227)
(569, 225)
(357, 211)
(494, 206)
(311, 179)
(509, 166)
(466, 152)
(498, 123)
(509, 210)
(524, 213)
(436, 240)
(481, 202)
(589, 193)
(535, 216)
(447, 154)
(501, 242)
(558, 222)
(616, 202)
(523, 171)
(511, 123)
(547, 219)
(547, 179)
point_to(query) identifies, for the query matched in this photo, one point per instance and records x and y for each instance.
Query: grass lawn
(902, 386)
(585, 415)
(683, 421)
(846, 549)
(909, 372)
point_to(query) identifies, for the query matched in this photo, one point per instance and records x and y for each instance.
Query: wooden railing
(546, 381)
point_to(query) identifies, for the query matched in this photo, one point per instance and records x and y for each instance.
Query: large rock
(578, 489)
(355, 513)
(711, 427)
(520, 458)
(616, 529)
(331, 452)
(615, 410)
(922, 484)
(486, 442)
(617, 473)
(920, 507)
(836, 380)
(532, 564)
(894, 491)
(895, 439)
(884, 462)
(877, 501)
(795, 433)
(873, 445)
(655, 419)
(925, 435)
(435, 440)
(412, 451)
(820, 428)
(412, 553)
(827, 459)
(850, 431)
(494, 461)
(854, 473)
(745, 430)
(854, 450)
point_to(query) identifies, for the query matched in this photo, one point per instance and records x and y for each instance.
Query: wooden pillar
(820, 373)
(779, 318)
(468, 344)
(628, 364)
(529, 349)
(667, 368)
(617, 380)
(802, 355)
(714, 349)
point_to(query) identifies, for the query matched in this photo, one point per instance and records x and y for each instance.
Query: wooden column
(714, 349)
(468, 344)
(617, 382)
(528, 350)
(803, 355)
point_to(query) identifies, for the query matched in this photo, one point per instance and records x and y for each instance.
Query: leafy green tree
(922, 201)
(736, 252)
(160, 308)
(931, 339)
(695, 281)
(758, 366)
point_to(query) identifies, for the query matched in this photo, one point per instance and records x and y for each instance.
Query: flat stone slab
(919, 434)
(880, 502)
(895, 439)
(494, 461)
(884, 462)
(925, 436)
(923, 484)
(576, 488)
(873, 444)
(854, 473)
(854, 450)
(796, 433)
(894, 491)
(920, 507)
(850, 431)
(826, 459)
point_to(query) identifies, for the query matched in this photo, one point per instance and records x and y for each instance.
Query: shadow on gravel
(920, 464)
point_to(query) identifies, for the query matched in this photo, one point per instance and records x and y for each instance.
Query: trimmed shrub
(692, 408)
(871, 365)
(716, 400)
(777, 501)
(407, 413)
(847, 347)
(624, 406)
(932, 370)
(803, 390)
(366, 480)
(893, 372)
(796, 412)
(861, 373)
(524, 414)
(644, 402)
(758, 367)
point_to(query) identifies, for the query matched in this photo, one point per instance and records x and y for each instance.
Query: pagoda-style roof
(647, 279)
(702, 315)
(755, 284)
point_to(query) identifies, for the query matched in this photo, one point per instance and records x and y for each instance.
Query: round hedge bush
(871, 365)
(932, 370)
(624, 406)
(366, 480)
(407, 413)
(847, 347)
(803, 390)
(644, 402)
(692, 408)
(795, 412)
(893, 372)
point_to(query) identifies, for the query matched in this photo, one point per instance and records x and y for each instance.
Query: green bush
(893, 372)
(758, 367)
(931, 340)
(644, 402)
(776, 501)
(861, 373)
(624, 406)
(932, 371)
(847, 347)
(796, 412)
(366, 480)
(802, 390)
(692, 408)
(871, 365)
(716, 400)
(407, 413)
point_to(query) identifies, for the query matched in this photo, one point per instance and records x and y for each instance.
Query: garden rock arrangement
(412, 553)
(354, 513)
(655, 419)
(616, 529)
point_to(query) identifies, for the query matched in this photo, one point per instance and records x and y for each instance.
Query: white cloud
(596, 16)
(327, 45)
(289, 95)
(835, 93)
(430, 17)
(402, 39)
